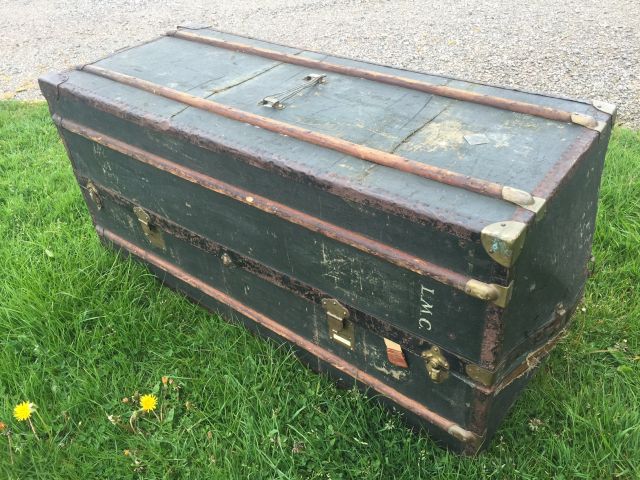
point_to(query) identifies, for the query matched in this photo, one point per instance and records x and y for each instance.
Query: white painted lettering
(424, 323)
(426, 306)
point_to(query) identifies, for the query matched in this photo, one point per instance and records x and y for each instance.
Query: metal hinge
(340, 329)
(153, 234)
(437, 365)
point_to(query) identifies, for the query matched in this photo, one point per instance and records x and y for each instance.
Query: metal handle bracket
(276, 100)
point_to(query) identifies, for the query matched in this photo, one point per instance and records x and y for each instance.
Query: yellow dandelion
(148, 403)
(23, 411)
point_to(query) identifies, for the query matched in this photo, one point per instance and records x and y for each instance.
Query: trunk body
(422, 237)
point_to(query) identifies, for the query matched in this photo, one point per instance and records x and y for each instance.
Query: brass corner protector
(539, 207)
(481, 375)
(608, 108)
(503, 241)
(525, 200)
(490, 292)
(588, 122)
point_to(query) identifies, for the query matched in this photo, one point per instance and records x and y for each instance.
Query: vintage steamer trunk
(425, 236)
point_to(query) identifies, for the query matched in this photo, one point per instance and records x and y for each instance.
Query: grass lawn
(82, 329)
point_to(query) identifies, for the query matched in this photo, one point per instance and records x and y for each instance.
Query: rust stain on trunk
(492, 338)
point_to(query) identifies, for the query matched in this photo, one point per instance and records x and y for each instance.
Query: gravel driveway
(583, 49)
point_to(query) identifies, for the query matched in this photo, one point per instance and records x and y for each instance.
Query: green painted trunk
(395, 196)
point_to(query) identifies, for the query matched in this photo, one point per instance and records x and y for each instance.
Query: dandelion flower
(23, 411)
(148, 403)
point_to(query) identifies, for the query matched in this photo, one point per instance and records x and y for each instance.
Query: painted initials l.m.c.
(427, 296)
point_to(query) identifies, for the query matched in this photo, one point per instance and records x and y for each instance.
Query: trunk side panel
(552, 269)
(449, 246)
(301, 316)
(370, 284)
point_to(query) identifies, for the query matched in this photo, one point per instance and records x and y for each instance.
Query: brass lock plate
(341, 330)
(153, 234)
(437, 365)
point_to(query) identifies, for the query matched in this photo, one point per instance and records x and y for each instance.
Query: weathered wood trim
(336, 187)
(490, 292)
(405, 82)
(451, 428)
(531, 361)
(379, 157)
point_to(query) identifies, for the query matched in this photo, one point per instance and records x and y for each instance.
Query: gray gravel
(578, 48)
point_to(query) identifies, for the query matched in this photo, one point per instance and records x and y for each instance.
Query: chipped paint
(346, 273)
(98, 150)
(521, 120)
(499, 140)
(444, 135)
(392, 372)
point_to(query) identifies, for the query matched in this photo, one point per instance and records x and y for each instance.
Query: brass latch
(153, 234)
(340, 329)
(437, 365)
(226, 260)
(94, 195)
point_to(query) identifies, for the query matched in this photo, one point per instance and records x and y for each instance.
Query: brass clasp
(94, 195)
(153, 234)
(437, 365)
(340, 329)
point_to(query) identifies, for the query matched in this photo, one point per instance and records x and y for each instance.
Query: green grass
(81, 329)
